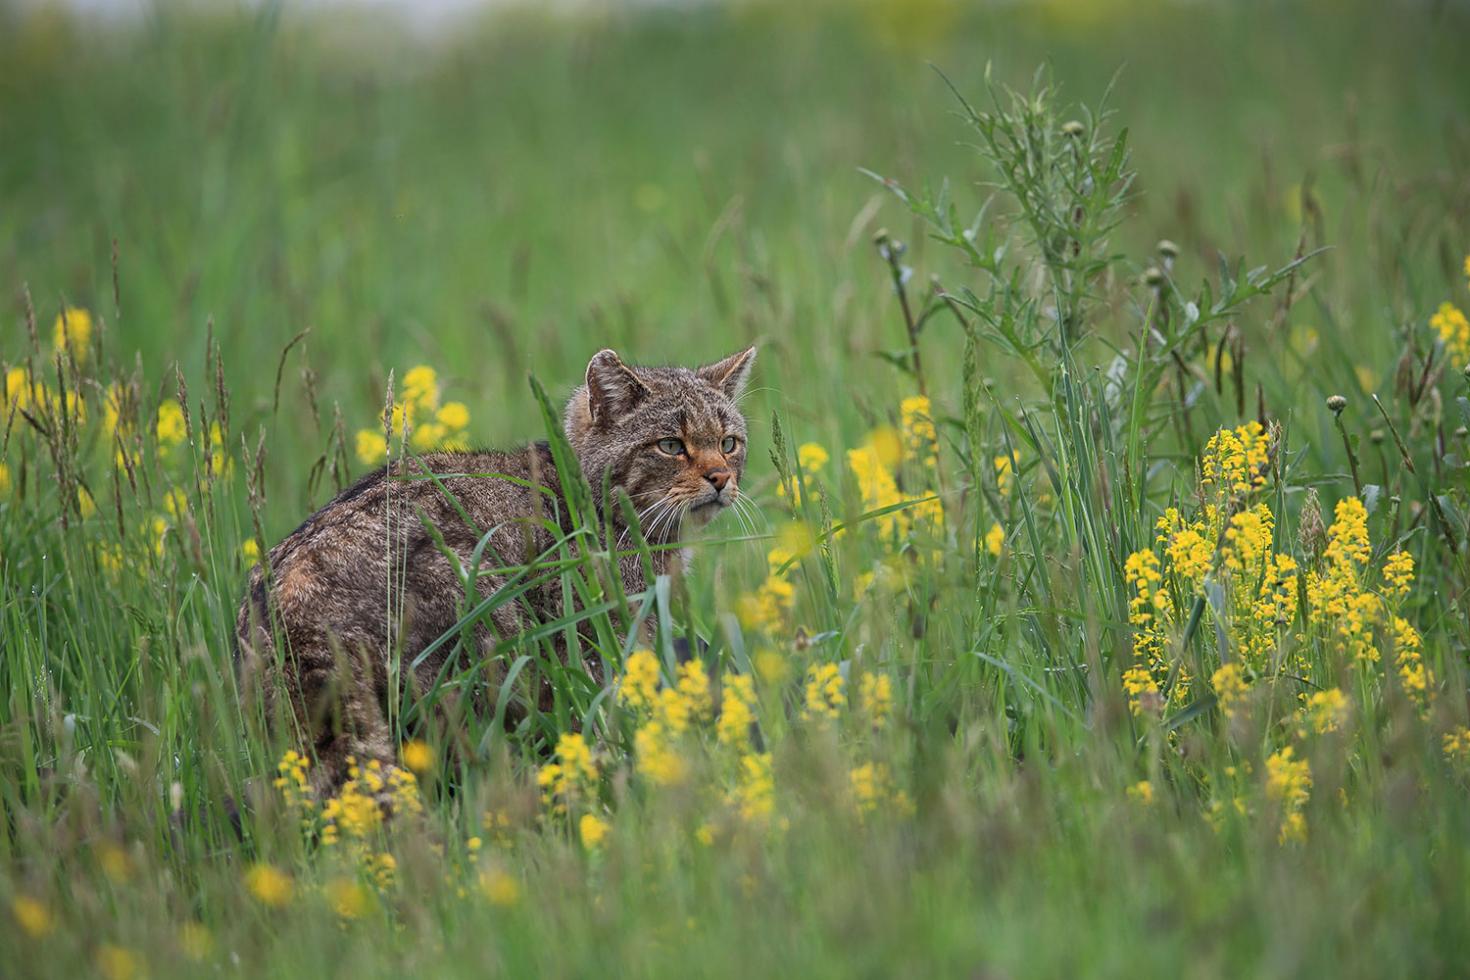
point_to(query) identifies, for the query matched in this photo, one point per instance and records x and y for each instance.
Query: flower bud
(1167, 249)
(1073, 129)
(1153, 277)
(1336, 404)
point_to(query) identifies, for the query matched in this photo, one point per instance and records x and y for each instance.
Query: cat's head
(671, 438)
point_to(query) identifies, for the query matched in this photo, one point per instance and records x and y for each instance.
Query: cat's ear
(612, 388)
(730, 374)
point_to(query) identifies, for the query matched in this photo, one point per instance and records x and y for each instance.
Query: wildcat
(671, 438)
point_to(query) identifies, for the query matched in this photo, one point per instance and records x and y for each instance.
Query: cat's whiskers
(646, 514)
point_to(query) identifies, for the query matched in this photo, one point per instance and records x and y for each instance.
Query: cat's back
(339, 555)
(490, 488)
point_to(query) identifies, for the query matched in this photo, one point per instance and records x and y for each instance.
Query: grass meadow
(1104, 609)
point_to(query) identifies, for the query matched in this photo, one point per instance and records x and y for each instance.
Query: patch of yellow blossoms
(418, 414)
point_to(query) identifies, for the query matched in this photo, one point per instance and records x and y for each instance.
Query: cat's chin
(701, 514)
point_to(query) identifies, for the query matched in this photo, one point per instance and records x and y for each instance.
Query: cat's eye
(673, 447)
(728, 446)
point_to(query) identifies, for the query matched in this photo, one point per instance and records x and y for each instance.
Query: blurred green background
(512, 191)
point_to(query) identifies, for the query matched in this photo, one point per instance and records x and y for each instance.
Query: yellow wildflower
(593, 830)
(794, 540)
(383, 867)
(693, 687)
(737, 710)
(170, 427)
(1230, 687)
(1398, 572)
(1289, 783)
(771, 667)
(995, 540)
(195, 941)
(876, 484)
(872, 786)
(1235, 460)
(875, 695)
(1327, 710)
(421, 388)
(1142, 690)
(1142, 792)
(1347, 539)
(673, 710)
(824, 695)
(1248, 538)
(755, 792)
(17, 391)
(34, 918)
(499, 887)
(114, 862)
(656, 756)
(4, 480)
(372, 447)
(250, 551)
(812, 457)
(427, 436)
(355, 808)
(118, 962)
(348, 898)
(269, 885)
(919, 435)
(1005, 471)
(72, 333)
(453, 416)
(639, 685)
(418, 755)
(1412, 672)
(1454, 331)
(573, 774)
(1457, 744)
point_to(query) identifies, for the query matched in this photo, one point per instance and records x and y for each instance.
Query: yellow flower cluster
(1454, 330)
(1327, 710)
(921, 440)
(419, 415)
(1347, 608)
(1289, 784)
(269, 885)
(813, 459)
(1149, 610)
(1189, 545)
(873, 465)
(357, 809)
(875, 697)
(767, 607)
(872, 788)
(1235, 460)
(754, 796)
(673, 720)
(1230, 688)
(737, 710)
(572, 777)
(825, 697)
(33, 917)
(1457, 744)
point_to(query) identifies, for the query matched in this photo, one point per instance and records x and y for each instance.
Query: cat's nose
(718, 478)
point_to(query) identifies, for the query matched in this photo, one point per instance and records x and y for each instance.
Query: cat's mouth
(705, 510)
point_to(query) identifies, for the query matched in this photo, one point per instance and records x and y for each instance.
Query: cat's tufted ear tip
(730, 374)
